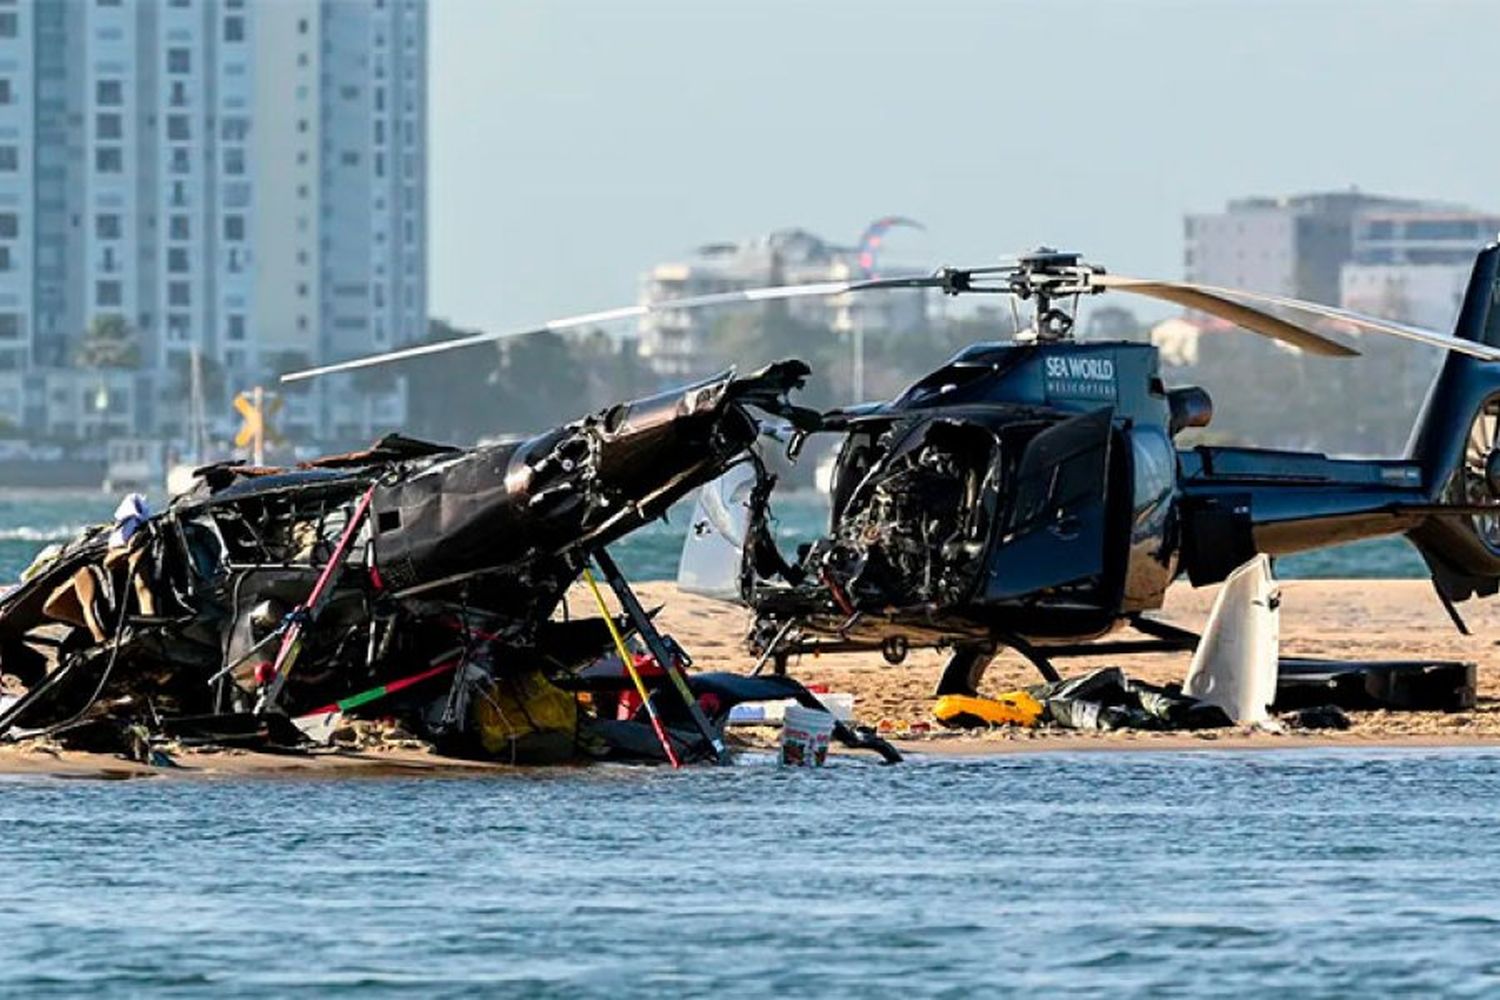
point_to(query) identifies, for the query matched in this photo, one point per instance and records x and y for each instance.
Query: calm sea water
(28, 523)
(1273, 873)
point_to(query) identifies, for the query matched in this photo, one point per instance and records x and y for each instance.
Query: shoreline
(1346, 619)
(1129, 741)
(18, 762)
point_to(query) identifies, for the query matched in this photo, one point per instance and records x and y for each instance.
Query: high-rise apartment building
(243, 179)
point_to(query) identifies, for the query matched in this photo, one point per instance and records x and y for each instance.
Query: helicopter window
(1062, 468)
(1053, 490)
(1078, 479)
(942, 382)
(1155, 466)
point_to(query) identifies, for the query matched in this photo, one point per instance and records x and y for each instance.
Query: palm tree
(108, 343)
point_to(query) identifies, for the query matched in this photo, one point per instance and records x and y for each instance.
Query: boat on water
(135, 465)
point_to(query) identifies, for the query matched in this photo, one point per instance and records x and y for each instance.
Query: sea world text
(1087, 369)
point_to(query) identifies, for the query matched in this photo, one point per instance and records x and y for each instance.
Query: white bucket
(804, 736)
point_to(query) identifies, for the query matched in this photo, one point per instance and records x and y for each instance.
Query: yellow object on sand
(522, 715)
(1014, 708)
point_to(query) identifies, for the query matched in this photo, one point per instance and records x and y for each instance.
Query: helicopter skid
(894, 635)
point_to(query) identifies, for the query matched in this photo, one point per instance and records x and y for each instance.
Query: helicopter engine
(915, 528)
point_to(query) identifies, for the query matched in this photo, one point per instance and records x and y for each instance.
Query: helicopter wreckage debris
(411, 594)
(1030, 495)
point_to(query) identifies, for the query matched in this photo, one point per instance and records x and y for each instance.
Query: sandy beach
(1393, 619)
(1373, 619)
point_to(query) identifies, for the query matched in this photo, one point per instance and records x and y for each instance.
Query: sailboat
(180, 476)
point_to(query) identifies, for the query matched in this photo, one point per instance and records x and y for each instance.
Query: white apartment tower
(243, 178)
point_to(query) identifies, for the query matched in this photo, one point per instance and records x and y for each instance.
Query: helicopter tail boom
(1456, 441)
(1444, 495)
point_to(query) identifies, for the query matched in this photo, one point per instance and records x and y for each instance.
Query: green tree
(537, 384)
(612, 369)
(109, 342)
(748, 339)
(448, 394)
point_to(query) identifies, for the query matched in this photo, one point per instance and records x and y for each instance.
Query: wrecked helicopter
(424, 582)
(1027, 495)
(1032, 495)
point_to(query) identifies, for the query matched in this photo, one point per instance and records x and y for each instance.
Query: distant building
(1177, 339)
(1293, 246)
(1400, 258)
(244, 179)
(1111, 323)
(1403, 259)
(673, 341)
(1414, 266)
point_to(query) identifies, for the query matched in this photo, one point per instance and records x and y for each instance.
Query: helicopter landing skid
(968, 663)
(966, 667)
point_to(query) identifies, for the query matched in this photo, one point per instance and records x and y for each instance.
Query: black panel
(1055, 532)
(1218, 536)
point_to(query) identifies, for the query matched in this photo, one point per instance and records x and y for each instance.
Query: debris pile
(1102, 700)
(411, 582)
(131, 641)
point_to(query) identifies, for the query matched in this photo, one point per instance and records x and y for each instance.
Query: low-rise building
(1413, 266)
(673, 340)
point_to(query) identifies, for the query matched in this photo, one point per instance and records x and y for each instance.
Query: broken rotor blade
(773, 293)
(1214, 302)
(422, 350)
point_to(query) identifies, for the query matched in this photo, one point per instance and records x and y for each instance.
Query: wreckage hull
(422, 575)
(1020, 492)
(1034, 493)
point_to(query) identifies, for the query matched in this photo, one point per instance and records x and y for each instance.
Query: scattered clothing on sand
(1102, 700)
(1316, 717)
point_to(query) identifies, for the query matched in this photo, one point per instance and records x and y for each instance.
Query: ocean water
(1310, 873)
(28, 522)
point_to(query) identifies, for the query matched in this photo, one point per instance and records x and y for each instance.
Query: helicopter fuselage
(1037, 492)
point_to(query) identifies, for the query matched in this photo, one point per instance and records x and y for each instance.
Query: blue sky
(575, 143)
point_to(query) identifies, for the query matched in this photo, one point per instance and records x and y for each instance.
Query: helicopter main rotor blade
(438, 347)
(773, 293)
(1214, 302)
(1224, 303)
(1406, 331)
